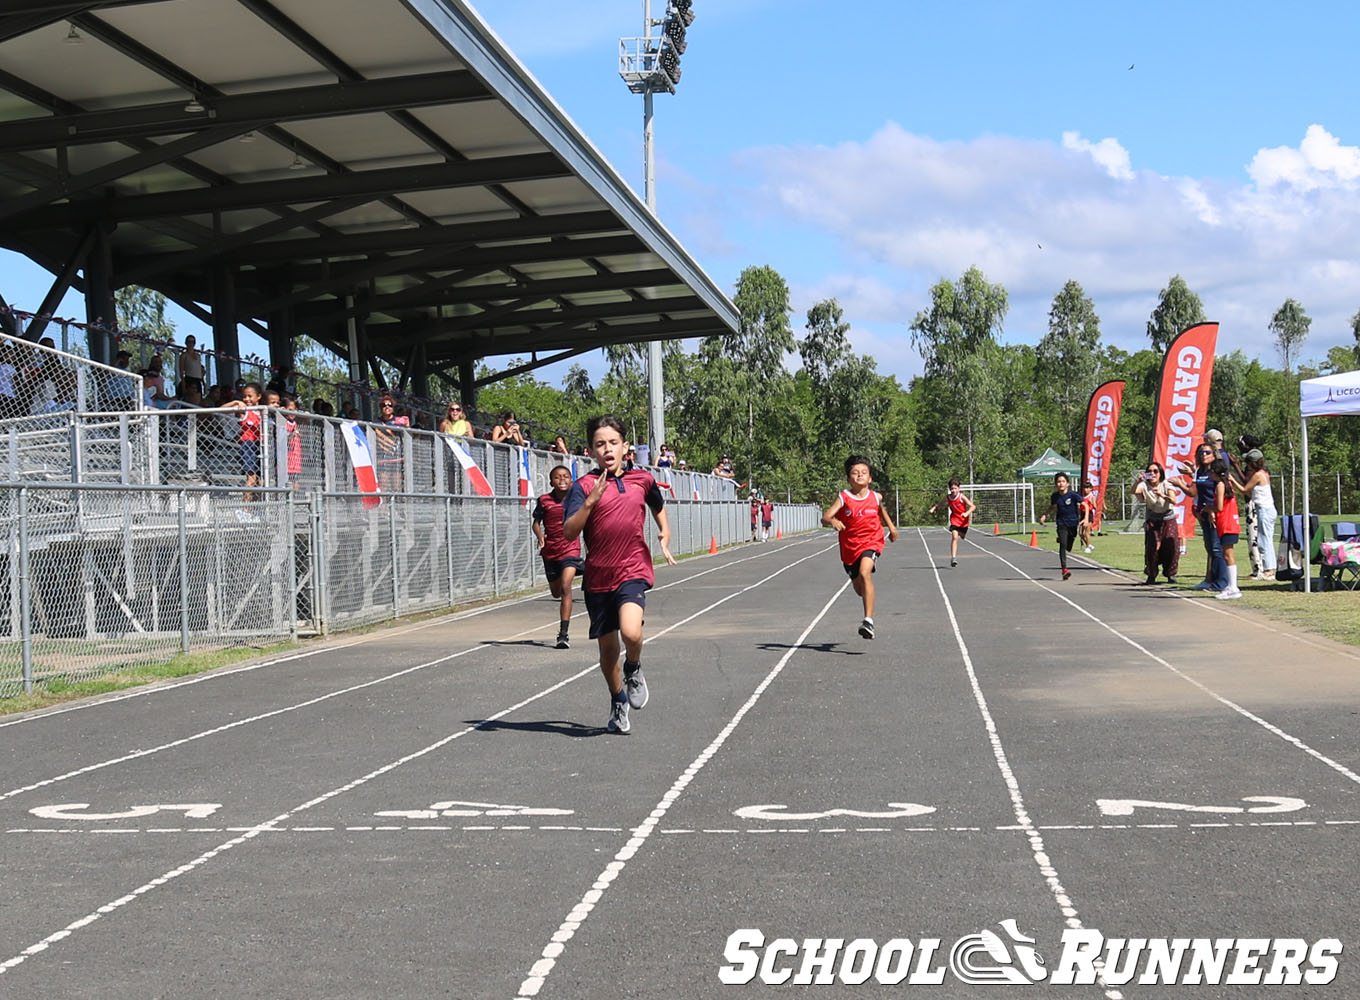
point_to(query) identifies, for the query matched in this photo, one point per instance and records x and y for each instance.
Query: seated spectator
(153, 381)
(9, 396)
(507, 430)
(455, 421)
(322, 408)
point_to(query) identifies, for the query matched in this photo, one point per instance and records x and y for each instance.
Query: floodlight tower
(650, 65)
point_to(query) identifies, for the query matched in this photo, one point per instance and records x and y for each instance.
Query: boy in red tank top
(961, 510)
(860, 517)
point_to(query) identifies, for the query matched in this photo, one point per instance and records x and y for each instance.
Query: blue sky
(867, 149)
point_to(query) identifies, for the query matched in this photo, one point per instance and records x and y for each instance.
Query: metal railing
(37, 380)
(100, 577)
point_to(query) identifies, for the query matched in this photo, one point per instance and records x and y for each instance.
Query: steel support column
(225, 336)
(101, 311)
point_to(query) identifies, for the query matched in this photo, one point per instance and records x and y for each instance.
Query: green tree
(1069, 359)
(1355, 331)
(1178, 309)
(957, 339)
(142, 311)
(827, 341)
(745, 377)
(1289, 326)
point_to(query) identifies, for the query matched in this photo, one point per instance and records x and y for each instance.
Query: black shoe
(866, 629)
(953, 562)
(1151, 580)
(563, 640)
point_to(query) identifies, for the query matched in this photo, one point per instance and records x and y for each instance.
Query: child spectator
(608, 507)
(561, 558)
(294, 440)
(766, 518)
(860, 517)
(1228, 524)
(251, 423)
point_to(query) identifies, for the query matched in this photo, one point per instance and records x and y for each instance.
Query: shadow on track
(816, 647)
(557, 727)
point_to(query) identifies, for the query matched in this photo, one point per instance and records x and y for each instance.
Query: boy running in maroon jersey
(961, 510)
(608, 505)
(860, 517)
(561, 558)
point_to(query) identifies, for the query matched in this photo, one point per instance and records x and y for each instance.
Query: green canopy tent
(1048, 465)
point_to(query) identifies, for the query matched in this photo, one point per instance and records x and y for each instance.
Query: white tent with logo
(1328, 396)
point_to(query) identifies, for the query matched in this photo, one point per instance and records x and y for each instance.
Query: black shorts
(552, 568)
(852, 568)
(1229, 540)
(603, 607)
(959, 529)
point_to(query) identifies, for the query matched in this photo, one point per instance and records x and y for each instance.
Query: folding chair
(1293, 564)
(1345, 531)
(1341, 559)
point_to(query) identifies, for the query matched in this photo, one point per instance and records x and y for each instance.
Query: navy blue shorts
(1229, 540)
(604, 607)
(553, 568)
(250, 457)
(852, 568)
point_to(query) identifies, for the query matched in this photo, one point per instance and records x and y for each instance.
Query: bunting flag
(1102, 420)
(474, 474)
(362, 459)
(525, 480)
(1183, 407)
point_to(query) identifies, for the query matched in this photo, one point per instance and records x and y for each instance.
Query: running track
(433, 811)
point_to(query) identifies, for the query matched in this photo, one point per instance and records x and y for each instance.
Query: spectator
(666, 459)
(388, 446)
(766, 518)
(353, 414)
(153, 382)
(191, 394)
(1257, 487)
(322, 408)
(294, 440)
(9, 397)
(755, 515)
(559, 446)
(630, 462)
(190, 366)
(1161, 526)
(507, 430)
(1215, 570)
(724, 468)
(681, 465)
(251, 423)
(455, 421)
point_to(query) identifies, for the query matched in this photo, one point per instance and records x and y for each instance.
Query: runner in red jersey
(561, 558)
(961, 509)
(609, 506)
(860, 517)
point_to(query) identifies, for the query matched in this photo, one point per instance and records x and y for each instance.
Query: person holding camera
(724, 468)
(1161, 535)
(508, 430)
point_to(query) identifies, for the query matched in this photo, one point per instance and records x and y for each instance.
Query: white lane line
(1202, 603)
(541, 969)
(1036, 840)
(218, 730)
(1269, 727)
(271, 825)
(381, 634)
(556, 828)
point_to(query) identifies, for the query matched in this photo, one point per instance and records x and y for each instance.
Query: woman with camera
(1161, 534)
(508, 430)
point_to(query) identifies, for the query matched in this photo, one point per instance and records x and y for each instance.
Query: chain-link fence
(36, 380)
(101, 577)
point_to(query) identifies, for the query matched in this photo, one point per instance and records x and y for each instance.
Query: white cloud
(1107, 152)
(1319, 162)
(909, 210)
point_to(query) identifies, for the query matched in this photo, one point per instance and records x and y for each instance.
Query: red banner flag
(1102, 420)
(1183, 406)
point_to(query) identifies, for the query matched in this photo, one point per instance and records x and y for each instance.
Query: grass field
(1334, 614)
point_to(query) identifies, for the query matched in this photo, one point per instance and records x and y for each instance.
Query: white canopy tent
(1328, 396)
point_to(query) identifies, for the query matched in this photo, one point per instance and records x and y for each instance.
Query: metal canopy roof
(298, 164)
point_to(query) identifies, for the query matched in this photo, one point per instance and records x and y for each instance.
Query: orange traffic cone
(996, 529)
(778, 534)
(712, 544)
(1034, 539)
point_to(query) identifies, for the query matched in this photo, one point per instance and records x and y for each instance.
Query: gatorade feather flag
(1183, 407)
(525, 480)
(362, 459)
(474, 474)
(1102, 419)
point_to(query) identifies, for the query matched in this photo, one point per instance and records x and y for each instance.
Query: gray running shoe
(866, 629)
(636, 686)
(563, 640)
(618, 718)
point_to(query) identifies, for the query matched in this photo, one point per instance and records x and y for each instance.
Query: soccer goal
(1009, 505)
